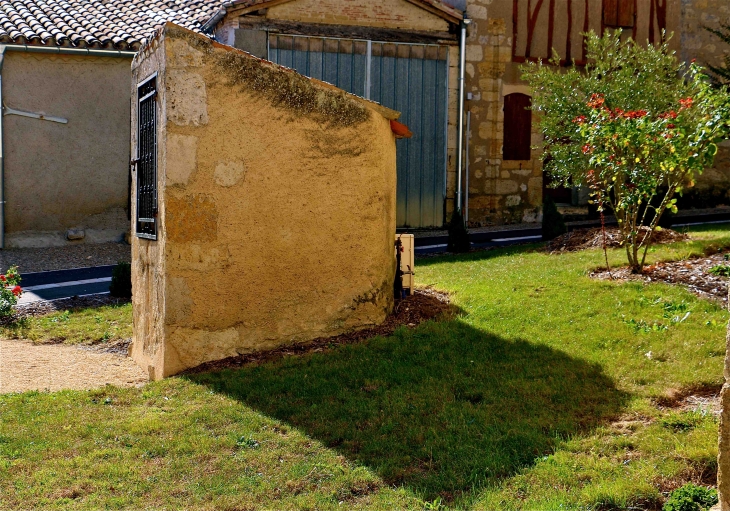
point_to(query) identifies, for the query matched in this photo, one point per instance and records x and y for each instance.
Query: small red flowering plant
(635, 127)
(10, 291)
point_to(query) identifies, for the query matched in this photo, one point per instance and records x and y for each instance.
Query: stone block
(75, 234)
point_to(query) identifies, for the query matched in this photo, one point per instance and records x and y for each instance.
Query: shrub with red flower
(10, 291)
(635, 127)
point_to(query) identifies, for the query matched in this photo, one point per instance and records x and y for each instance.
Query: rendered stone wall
(384, 13)
(74, 175)
(276, 208)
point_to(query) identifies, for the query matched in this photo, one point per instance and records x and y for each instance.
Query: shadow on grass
(480, 254)
(442, 409)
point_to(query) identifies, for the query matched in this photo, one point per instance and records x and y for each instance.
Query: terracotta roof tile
(125, 24)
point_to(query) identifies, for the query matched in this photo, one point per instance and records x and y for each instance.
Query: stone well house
(293, 233)
(404, 54)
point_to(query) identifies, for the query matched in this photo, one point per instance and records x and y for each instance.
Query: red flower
(17, 290)
(596, 101)
(580, 119)
(2, 277)
(586, 149)
(671, 126)
(686, 103)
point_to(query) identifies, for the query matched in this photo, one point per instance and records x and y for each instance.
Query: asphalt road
(54, 285)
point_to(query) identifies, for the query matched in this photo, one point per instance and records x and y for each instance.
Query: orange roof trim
(400, 129)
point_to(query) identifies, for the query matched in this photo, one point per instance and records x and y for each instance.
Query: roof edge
(436, 7)
(385, 112)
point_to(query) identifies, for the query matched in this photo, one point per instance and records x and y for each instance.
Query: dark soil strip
(691, 273)
(423, 305)
(581, 239)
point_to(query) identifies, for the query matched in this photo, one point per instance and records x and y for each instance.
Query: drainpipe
(460, 135)
(37, 49)
(2, 155)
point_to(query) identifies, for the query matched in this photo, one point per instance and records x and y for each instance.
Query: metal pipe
(209, 26)
(68, 51)
(460, 133)
(466, 167)
(2, 155)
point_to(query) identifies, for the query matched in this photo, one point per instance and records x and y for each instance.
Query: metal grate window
(147, 160)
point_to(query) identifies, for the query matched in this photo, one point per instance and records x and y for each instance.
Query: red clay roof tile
(97, 23)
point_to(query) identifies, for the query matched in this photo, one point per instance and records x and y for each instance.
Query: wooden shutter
(625, 13)
(618, 13)
(517, 127)
(610, 13)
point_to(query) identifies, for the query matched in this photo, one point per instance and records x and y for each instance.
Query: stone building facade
(505, 182)
(263, 205)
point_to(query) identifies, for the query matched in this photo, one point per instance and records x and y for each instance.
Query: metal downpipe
(2, 153)
(460, 132)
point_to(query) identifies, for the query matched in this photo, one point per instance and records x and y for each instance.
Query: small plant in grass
(681, 422)
(721, 270)
(635, 127)
(246, 442)
(10, 291)
(691, 497)
(121, 285)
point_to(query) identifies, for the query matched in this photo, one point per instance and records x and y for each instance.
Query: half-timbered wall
(538, 26)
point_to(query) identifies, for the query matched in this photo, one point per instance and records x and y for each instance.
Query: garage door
(410, 78)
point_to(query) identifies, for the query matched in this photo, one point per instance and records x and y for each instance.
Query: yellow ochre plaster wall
(276, 208)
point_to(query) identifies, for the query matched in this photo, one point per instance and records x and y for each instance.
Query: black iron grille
(147, 161)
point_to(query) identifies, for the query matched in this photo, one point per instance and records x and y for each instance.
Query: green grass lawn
(78, 326)
(537, 395)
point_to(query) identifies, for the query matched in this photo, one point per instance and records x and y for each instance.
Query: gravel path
(63, 258)
(25, 366)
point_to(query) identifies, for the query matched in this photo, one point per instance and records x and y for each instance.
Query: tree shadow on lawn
(442, 409)
(479, 254)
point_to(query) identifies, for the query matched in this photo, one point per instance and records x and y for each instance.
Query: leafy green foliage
(635, 128)
(553, 224)
(121, 285)
(691, 497)
(458, 234)
(10, 291)
(722, 270)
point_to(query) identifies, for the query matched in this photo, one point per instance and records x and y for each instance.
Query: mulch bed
(423, 305)
(581, 239)
(690, 273)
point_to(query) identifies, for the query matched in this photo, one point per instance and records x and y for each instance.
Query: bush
(691, 497)
(10, 291)
(552, 221)
(635, 126)
(458, 235)
(121, 285)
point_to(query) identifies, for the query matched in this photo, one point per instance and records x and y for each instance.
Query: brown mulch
(423, 305)
(581, 239)
(691, 273)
